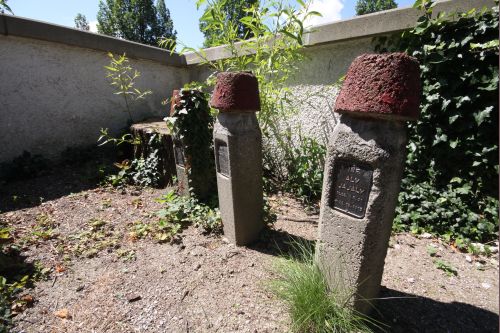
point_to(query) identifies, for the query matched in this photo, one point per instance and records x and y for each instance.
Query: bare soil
(108, 280)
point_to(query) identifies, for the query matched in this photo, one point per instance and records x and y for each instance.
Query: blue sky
(183, 12)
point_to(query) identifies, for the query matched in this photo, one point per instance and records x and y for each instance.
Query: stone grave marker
(180, 159)
(193, 177)
(238, 156)
(363, 170)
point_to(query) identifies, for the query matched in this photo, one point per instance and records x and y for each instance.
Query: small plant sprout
(431, 250)
(122, 77)
(446, 267)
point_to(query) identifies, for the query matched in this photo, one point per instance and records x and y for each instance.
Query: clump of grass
(313, 306)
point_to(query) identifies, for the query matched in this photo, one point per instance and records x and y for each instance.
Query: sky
(183, 13)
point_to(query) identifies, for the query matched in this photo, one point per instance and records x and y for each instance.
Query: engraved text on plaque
(179, 154)
(222, 158)
(352, 184)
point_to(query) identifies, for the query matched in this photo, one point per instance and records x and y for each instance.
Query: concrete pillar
(363, 169)
(238, 156)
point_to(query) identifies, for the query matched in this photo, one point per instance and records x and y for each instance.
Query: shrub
(304, 164)
(451, 182)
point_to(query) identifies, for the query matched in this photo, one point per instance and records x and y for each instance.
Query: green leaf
(481, 116)
(452, 119)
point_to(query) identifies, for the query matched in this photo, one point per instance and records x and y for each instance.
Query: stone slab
(361, 184)
(238, 146)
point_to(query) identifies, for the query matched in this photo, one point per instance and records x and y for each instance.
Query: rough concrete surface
(56, 96)
(382, 85)
(352, 247)
(240, 182)
(236, 91)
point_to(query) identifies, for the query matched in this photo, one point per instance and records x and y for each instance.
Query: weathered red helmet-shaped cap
(382, 86)
(176, 99)
(236, 91)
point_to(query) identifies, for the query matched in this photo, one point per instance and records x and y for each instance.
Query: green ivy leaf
(481, 116)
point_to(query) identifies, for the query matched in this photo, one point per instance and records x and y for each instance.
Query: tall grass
(313, 306)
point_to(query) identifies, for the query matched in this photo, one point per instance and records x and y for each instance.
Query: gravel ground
(201, 283)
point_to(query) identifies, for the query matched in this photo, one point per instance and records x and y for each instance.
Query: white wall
(54, 96)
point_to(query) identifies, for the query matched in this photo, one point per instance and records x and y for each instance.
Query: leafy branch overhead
(4, 6)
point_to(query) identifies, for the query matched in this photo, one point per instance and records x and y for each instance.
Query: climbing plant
(451, 183)
(192, 125)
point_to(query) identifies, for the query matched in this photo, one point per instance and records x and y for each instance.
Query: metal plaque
(352, 183)
(222, 158)
(179, 154)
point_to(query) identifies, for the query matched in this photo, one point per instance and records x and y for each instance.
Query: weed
(446, 267)
(15, 276)
(126, 255)
(122, 77)
(431, 250)
(138, 230)
(143, 171)
(106, 203)
(166, 231)
(98, 237)
(182, 210)
(313, 306)
(269, 215)
(42, 230)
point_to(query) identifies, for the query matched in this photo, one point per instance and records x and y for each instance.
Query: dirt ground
(104, 280)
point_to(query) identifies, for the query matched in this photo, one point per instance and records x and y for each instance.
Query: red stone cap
(176, 98)
(236, 91)
(382, 86)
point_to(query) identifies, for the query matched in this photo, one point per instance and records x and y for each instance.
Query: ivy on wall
(192, 123)
(451, 183)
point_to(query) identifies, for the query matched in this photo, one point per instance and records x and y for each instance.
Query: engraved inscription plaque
(222, 158)
(179, 153)
(352, 184)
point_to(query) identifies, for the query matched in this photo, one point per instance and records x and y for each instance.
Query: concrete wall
(54, 95)
(330, 49)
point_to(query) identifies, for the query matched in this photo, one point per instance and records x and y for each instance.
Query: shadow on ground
(54, 181)
(401, 312)
(404, 312)
(280, 243)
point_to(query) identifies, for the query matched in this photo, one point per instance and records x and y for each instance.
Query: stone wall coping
(11, 25)
(369, 25)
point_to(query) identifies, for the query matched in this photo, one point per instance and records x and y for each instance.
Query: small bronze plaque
(352, 183)
(222, 158)
(179, 154)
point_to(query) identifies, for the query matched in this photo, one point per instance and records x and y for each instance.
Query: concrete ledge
(23, 27)
(382, 23)
(370, 25)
